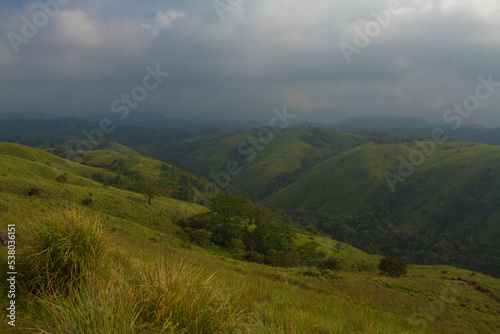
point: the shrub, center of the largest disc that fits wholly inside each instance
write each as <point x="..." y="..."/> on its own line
<point x="237" y="248"/>
<point x="391" y="267"/>
<point x="88" y="200"/>
<point x="61" y="248"/>
<point x="254" y="256"/>
<point x="35" y="191"/>
<point x="332" y="263"/>
<point x="62" y="178"/>
<point x="200" y="236"/>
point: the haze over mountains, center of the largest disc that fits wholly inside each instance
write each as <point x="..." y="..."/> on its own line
<point x="156" y="120"/>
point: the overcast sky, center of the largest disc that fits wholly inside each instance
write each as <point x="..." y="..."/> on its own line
<point x="242" y="58"/>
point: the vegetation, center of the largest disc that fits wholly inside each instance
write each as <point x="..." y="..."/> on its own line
<point x="120" y="265"/>
<point x="149" y="189"/>
<point x="60" y="250"/>
<point x="246" y="231"/>
<point x="441" y="213"/>
<point x="391" y="267"/>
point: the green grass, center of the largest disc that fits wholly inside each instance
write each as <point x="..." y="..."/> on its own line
<point x="211" y="153"/>
<point x="152" y="288"/>
<point x="62" y="248"/>
<point x="163" y="285"/>
<point x="342" y="184"/>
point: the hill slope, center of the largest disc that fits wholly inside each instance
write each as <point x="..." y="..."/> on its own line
<point x="268" y="160"/>
<point x="147" y="285"/>
<point x="450" y="203"/>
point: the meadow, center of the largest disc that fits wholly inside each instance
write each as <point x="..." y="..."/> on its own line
<point x="119" y="265"/>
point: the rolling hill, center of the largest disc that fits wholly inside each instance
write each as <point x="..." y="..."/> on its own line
<point x="149" y="279"/>
<point x="450" y="203"/>
<point x="268" y="161"/>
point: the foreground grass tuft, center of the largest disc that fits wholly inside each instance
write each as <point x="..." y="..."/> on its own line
<point x="62" y="248"/>
<point x="80" y="284"/>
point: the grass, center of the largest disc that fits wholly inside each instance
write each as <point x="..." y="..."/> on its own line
<point x="136" y="284"/>
<point x="342" y="184"/>
<point x="61" y="249"/>
<point x="146" y="287"/>
<point x="77" y="283"/>
<point x="211" y="153"/>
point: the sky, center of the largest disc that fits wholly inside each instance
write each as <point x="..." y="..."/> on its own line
<point x="326" y="60"/>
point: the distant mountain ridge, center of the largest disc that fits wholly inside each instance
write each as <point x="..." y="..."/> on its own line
<point x="381" y="123"/>
<point x="395" y="124"/>
<point x="28" y="115"/>
<point x="157" y="121"/>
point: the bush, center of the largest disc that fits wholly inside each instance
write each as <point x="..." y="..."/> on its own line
<point x="61" y="248"/>
<point x="237" y="248"/>
<point x="200" y="236"/>
<point x="63" y="178"/>
<point x="35" y="191"/>
<point x="254" y="256"/>
<point x="88" y="200"/>
<point x="332" y="263"/>
<point x="391" y="267"/>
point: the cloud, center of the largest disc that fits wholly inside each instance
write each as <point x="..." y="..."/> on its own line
<point x="162" y="20"/>
<point x="263" y="54"/>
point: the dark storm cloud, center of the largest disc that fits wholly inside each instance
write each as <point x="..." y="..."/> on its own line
<point x="262" y="55"/>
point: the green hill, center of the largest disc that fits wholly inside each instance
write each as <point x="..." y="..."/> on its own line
<point x="30" y="181"/>
<point x="143" y="277"/>
<point x="343" y="184"/>
<point x="450" y="203"/>
<point x="269" y="161"/>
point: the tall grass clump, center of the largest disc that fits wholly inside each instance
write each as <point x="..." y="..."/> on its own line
<point x="161" y="298"/>
<point x="96" y="305"/>
<point x="177" y="298"/>
<point x="60" y="248"/>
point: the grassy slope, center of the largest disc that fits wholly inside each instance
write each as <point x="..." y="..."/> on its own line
<point x="23" y="168"/>
<point x="296" y="300"/>
<point x="282" y="154"/>
<point x="451" y="200"/>
<point x="341" y="184"/>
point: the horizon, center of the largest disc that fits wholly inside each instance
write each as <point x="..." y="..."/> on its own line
<point x="89" y="117"/>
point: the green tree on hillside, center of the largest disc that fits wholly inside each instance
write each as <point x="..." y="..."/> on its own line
<point x="149" y="189"/>
<point x="391" y="267"/>
<point x="230" y="217"/>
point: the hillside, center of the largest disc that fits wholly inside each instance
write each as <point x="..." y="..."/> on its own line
<point x="150" y="280"/>
<point x="268" y="161"/>
<point x="30" y="181"/>
<point x="342" y="184"/>
<point x="449" y="203"/>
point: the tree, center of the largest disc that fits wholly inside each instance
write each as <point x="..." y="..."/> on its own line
<point x="309" y="254"/>
<point x="391" y="267"/>
<point x="149" y="189"/>
<point x="230" y="217"/>
<point x="200" y="236"/>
